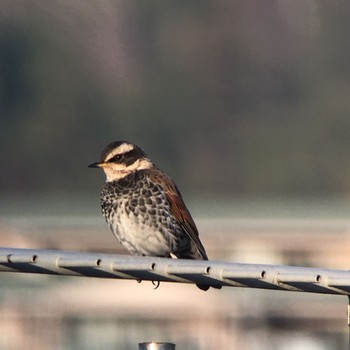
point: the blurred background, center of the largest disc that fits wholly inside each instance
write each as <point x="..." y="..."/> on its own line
<point x="244" y="103"/>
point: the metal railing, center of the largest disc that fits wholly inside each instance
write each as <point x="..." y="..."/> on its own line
<point x="212" y="273"/>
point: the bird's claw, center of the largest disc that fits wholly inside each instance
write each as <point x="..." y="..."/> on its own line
<point x="156" y="284"/>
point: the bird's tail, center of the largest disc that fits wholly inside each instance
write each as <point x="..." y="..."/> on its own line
<point x="204" y="287"/>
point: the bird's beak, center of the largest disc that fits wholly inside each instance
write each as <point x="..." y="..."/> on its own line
<point x="97" y="165"/>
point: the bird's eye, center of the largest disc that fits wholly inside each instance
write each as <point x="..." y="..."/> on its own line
<point x="116" y="158"/>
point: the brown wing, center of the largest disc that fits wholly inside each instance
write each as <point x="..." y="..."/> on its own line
<point x="179" y="209"/>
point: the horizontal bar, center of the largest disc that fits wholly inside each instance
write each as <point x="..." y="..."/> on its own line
<point x="11" y="258"/>
<point x="73" y="263"/>
<point x="125" y="266"/>
<point x="288" y="277"/>
<point x="182" y="270"/>
<point x="339" y="282"/>
<point x="234" y="274"/>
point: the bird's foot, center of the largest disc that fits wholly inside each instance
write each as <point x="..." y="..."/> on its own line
<point x="156" y="284"/>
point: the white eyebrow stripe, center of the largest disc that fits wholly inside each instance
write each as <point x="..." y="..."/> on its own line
<point x="123" y="148"/>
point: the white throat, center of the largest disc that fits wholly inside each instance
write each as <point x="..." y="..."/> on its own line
<point x="115" y="171"/>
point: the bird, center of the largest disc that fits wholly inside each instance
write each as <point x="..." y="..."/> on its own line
<point x="144" y="208"/>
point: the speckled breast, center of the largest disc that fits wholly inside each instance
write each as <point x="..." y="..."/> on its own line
<point x="138" y="213"/>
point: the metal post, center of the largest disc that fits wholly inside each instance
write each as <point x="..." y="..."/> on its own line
<point x="156" y="346"/>
<point x="348" y="322"/>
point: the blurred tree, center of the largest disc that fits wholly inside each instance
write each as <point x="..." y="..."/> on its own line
<point x="239" y="97"/>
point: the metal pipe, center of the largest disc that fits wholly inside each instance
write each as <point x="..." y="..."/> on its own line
<point x="218" y="273"/>
<point x="156" y="346"/>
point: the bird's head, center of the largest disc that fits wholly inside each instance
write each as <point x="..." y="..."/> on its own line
<point x="121" y="158"/>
